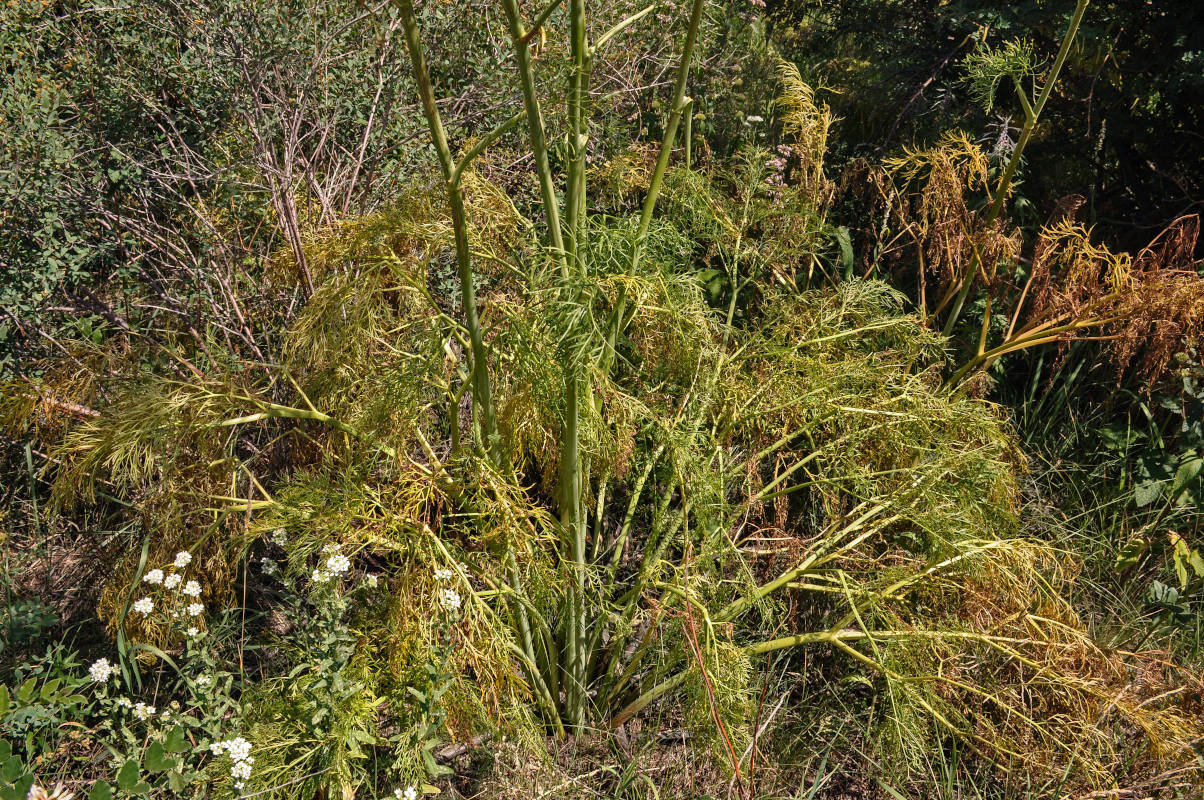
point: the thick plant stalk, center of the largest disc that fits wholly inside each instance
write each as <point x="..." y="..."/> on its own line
<point x="572" y="483"/>
<point x="535" y="129"/>
<point x="1032" y="113"/>
<point x="481" y="391"/>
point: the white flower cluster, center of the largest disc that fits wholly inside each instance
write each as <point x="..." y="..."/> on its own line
<point x="173" y="580"/>
<point x="450" y="599"/>
<point x="143" y="711"/>
<point x="279" y="537"/>
<point x="268" y="565"/>
<point x="336" y="565"/>
<point x="410" y="793"/>
<point x="101" y="670"/>
<point x="239" y="750"/>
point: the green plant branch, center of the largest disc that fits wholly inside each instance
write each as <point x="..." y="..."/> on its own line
<point x="481" y="389"/>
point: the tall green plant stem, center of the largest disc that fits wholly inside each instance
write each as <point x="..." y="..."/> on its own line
<point x="481" y="391"/>
<point x="678" y="107"/>
<point x="1032" y="113"/>
<point x="572" y="481"/>
<point x="521" y="38"/>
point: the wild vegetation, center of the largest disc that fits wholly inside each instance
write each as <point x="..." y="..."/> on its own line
<point x="513" y="401"/>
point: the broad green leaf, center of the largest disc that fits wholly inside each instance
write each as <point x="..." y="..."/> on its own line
<point x="1147" y="492"/>
<point x="12" y="769"/>
<point x="27" y="690"/>
<point x="176" y="743"/>
<point x="101" y="791"/>
<point x="1130" y="554"/>
<point x="127" y="776"/>
<point x="23" y="785"/>
<point x="49" y="688"/>
<point x="156" y="760"/>
<point x="1188" y="471"/>
<point x="5" y="701"/>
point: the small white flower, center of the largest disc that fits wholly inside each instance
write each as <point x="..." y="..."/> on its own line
<point x="195" y="609"/>
<point x="754" y="118"/>
<point x="372" y="580"/>
<point x="154" y="576"/>
<point x="338" y="564"/>
<point x="444" y="574"/>
<point x="166" y="715"/>
<point x="241" y="769"/>
<point x="267" y="565"/>
<point x="320" y="576"/>
<point x="397" y="793"/>
<point x="144" y="606"/>
<point x="124" y="702"/>
<point x="410" y="793"/>
<point x="183" y="559"/>
<point x="238" y="748"/>
<point x="173" y="580"/>
<point x="332" y="548"/>
<point x="143" y="711"/>
<point x="191" y="632"/>
<point x="450" y="599"/>
<point x="216" y="747"/>
<point x="279" y="537"/>
<point x="101" y="670"/>
<point x="192" y="589"/>
<point x="205" y="680"/>
<point x="238" y="785"/>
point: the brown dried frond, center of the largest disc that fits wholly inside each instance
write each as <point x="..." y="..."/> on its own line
<point x="1150" y="307"/>
<point x="947" y="235"/>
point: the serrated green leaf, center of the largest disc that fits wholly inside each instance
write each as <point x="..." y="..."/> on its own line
<point x="1147" y="492"/>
